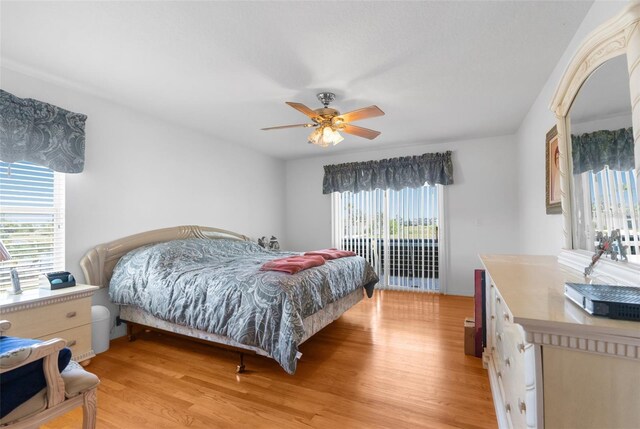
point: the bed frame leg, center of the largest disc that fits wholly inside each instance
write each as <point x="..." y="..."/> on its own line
<point x="240" y="368"/>
<point x="130" y="334"/>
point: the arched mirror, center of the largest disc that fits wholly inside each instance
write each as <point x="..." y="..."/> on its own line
<point x="596" y="105"/>
<point x="604" y="197"/>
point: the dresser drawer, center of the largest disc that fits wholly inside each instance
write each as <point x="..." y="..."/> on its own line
<point x="78" y="340"/>
<point x="513" y="364"/>
<point x="499" y="346"/>
<point x="513" y="359"/>
<point x="38" y="322"/>
<point x="501" y="315"/>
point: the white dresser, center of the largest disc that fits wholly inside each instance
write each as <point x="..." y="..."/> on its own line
<point x="550" y="363"/>
<point x="512" y="360"/>
<point x="44" y="314"/>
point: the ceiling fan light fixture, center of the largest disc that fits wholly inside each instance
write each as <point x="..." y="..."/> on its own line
<point x="315" y="136"/>
<point x="331" y="136"/>
<point x="325" y="136"/>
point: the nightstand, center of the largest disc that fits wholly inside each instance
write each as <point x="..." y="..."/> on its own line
<point x="44" y="314"/>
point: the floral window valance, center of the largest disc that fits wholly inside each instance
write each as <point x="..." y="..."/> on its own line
<point x="592" y="151"/>
<point x="37" y="132"/>
<point x="394" y="173"/>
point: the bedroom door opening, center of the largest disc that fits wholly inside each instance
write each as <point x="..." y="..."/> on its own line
<point x="398" y="232"/>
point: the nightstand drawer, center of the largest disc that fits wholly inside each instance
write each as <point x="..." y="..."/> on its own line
<point x="40" y="322"/>
<point x="78" y="340"/>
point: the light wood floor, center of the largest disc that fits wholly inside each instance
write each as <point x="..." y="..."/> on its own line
<point x="394" y="361"/>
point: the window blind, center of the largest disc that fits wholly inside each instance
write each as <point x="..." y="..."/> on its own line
<point x="605" y="201"/>
<point x="32" y="201"/>
<point x="396" y="231"/>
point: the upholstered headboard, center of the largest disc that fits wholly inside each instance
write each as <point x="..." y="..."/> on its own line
<point x="98" y="263"/>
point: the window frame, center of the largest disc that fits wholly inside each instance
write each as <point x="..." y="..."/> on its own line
<point x="36" y="186"/>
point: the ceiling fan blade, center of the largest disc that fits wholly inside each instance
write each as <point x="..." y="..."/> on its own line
<point x="364" y="113"/>
<point x="288" y="126"/>
<point x="302" y="108"/>
<point x="359" y="131"/>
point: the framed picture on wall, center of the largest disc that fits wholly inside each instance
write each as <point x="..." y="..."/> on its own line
<point x="553" y="172"/>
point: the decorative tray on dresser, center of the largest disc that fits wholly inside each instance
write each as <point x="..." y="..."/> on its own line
<point x="44" y="314"/>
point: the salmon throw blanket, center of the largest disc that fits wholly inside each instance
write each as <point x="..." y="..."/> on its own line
<point x="332" y="253"/>
<point x="293" y="264"/>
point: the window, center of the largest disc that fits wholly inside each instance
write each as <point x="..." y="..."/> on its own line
<point x="398" y="232"/>
<point x="604" y="202"/>
<point x="31" y="221"/>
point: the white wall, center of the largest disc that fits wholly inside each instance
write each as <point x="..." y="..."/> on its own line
<point x="143" y="173"/>
<point x="480" y="206"/>
<point x="541" y="233"/>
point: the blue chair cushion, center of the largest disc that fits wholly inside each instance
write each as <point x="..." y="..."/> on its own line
<point x="19" y="385"/>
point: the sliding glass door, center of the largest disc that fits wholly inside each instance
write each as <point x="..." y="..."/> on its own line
<point x="398" y="232"/>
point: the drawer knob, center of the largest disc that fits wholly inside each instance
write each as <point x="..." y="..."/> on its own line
<point x="499" y="374"/>
<point x="493" y="317"/>
<point x="521" y="347"/>
<point x="522" y="406"/>
<point x="71" y="314"/>
<point x="498" y="299"/>
<point x="71" y="343"/>
<point x="508" y="408"/>
<point x="506" y="317"/>
<point x="507" y="362"/>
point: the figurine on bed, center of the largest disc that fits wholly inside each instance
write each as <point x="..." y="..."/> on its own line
<point x="269" y="244"/>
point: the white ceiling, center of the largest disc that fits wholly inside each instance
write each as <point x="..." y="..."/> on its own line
<point x="440" y="70"/>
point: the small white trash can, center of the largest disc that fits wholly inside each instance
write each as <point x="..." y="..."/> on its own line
<point x="100" y="320"/>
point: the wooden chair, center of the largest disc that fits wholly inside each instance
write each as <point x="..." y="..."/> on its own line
<point x="65" y="390"/>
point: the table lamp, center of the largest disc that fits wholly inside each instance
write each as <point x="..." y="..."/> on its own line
<point x="15" y="280"/>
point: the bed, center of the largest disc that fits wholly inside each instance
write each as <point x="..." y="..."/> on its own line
<point x="206" y="283"/>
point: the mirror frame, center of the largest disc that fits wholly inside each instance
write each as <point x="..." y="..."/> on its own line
<point x="618" y="36"/>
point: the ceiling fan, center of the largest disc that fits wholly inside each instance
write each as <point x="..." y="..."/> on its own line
<point x="327" y="121"/>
